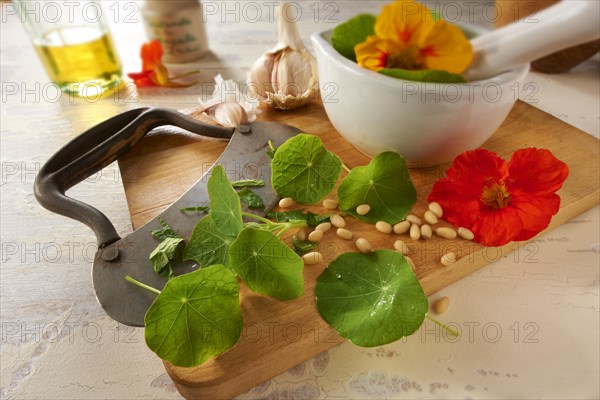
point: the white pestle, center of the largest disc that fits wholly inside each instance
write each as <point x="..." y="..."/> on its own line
<point x="566" y="24"/>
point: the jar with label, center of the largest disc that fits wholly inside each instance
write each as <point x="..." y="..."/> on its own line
<point x="179" y="26"/>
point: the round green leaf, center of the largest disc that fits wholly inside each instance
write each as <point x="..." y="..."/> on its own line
<point x="208" y="245"/>
<point x="266" y="265"/>
<point x="225" y="206"/>
<point x="384" y="184"/>
<point x="196" y="316"/>
<point x="371" y="299"/>
<point x="304" y="170"/>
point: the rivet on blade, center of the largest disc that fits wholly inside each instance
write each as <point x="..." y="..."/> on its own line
<point x="245" y="129"/>
<point x="110" y="254"/>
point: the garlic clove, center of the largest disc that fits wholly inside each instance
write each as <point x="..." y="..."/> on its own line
<point x="294" y="73"/>
<point x="260" y="75"/>
<point x="228" y="114"/>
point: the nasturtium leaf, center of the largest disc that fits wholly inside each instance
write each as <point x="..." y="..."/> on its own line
<point x="266" y="265"/>
<point x="311" y="218"/>
<point x="251" y="199"/>
<point x="165" y="231"/>
<point x="225" y="206"/>
<point x="196" y="316"/>
<point x="428" y="75"/>
<point x="371" y="299"/>
<point x="248" y="183"/>
<point x="352" y="32"/>
<point x="302" y="247"/>
<point x="304" y="170"/>
<point x="208" y="245"/>
<point x="384" y="184"/>
<point x="164" y="254"/>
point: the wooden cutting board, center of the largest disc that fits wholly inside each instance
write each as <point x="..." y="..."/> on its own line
<point x="279" y="335"/>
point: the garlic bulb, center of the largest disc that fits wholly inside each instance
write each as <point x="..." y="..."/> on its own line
<point x="286" y="76"/>
<point x="228" y="106"/>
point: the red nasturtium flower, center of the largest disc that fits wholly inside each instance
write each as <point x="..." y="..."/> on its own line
<point x="154" y="72"/>
<point x="501" y="202"/>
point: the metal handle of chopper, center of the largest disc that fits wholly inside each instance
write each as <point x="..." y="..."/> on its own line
<point x="97" y="148"/>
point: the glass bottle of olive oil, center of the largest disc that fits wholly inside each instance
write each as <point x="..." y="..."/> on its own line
<point x="80" y="59"/>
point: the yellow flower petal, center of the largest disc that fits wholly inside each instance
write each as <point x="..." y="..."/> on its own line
<point x="446" y="48"/>
<point x="404" y="21"/>
<point x="375" y="53"/>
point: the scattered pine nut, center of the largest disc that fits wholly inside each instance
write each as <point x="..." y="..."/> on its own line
<point x="465" y="233"/>
<point x="430" y="217"/>
<point x="411" y="263"/>
<point x="345" y="233"/>
<point x="286" y="202"/>
<point x="314" y="257"/>
<point x="401" y="247"/>
<point x="413" y="219"/>
<point x="446" y="232"/>
<point x="363" y="209"/>
<point x="435" y="208"/>
<point x="330" y="204"/>
<point x="301" y="235"/>
<point x="426" y="231"/>
<point x="363" y="245"/>
<point x="323" y="226"/>
<point x="448" y="259"/>
<point x="337" y="220"/>
<point x="383" y="227"/>
<point x="441" y="305"/>
<point x="402" y="227"/>
<point x="415" y="232"/>
<point x="315" y="236"/>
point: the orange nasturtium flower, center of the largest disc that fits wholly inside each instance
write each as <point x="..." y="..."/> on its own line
<point x="408" y="36"/>
<point x="154" y="72"/>
<point x="501" y="202"/>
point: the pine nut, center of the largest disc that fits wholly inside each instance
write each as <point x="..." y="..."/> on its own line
<point x="337" y="220"/>
<point x="286" y="202"/>
<point x="435" y="208"/>
<point x="415" y="232"/>
<point x="301" y="235"/>
<point x="430" y="217"/>
<point x="441" y="305"/>
<point x="383" y="227"/>
<point x="314" y="257"/>
<point x="315" y="236"/>
<point x="401" y="247"/>
<point x="446" y="232"/>
<point x="465" y="233"/>
<point x="330" y="204"/>
<point x="402" y="227"/>
<point x="413" y="219"/>
<point x="411" y="263"/>
<point x="426" y="231"/>
<point x="344" y="233"/>
<point x="363" y="209"/>
<point x="448" y="259"/>
<point x="324" y="226"/>
<point x="363" y="245"/>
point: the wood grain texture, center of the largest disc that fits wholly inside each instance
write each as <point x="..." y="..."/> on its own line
<point x="279" y="335"/>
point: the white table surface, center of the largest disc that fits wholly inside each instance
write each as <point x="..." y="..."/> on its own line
<point x="530" y="320"/>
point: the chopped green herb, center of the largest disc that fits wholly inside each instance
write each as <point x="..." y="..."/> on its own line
<point x="251" y="199"/>
<point x="196" y="316"/>
<point x="302" y="247"/>
<point x="272" y="149"/>
<point x="304" y="170"/>
<point x="199" y="209"/>
<point x="311" y="218"/>
<point x="165" y="232"/>
<point x="384" y="184"/>
<point x="248" y="183"/>
<point x="164" y="254"/>
<point x="371" y="299"/>
<point x="266" y="265"/>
